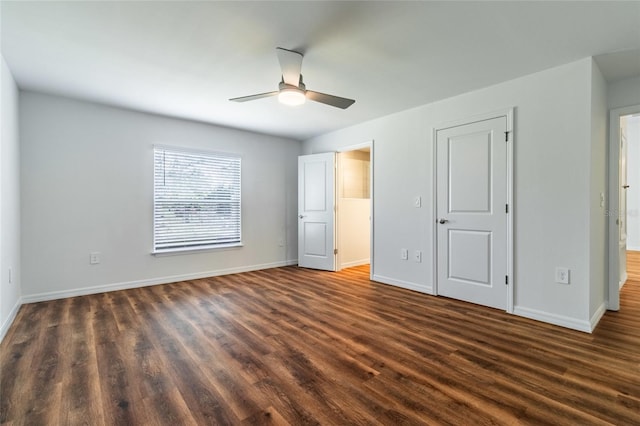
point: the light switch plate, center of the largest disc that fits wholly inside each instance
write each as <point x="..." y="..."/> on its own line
<point x="404" y="254"/>
<point x="562" y="275"/>
<point x="94" y="257"/>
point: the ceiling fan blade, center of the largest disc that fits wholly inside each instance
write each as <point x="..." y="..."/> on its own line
<point x="335" y="101"/>
<point x="291" y="64"/>
<point x="254" y="97"/>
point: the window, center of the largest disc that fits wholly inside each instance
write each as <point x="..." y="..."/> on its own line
<point x="196" y="200"/>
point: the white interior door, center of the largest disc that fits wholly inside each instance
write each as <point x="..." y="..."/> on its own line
<point x="472" y="212"/>
<point x="316" y="213"/>
<point x="622" y="207"/>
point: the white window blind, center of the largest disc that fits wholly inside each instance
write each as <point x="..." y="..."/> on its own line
<point x="196" y="200"/>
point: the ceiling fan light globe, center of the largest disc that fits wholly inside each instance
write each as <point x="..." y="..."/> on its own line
<point x="291" y="97"/>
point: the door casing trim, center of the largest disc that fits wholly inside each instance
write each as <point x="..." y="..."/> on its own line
<point x="613" y="293"/>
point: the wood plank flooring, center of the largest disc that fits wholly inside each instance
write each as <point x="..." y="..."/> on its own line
<point x="633" y="265"/>
<point x="295" y="346"/>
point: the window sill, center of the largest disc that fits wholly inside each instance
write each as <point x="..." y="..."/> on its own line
<point x="193" y="250"/>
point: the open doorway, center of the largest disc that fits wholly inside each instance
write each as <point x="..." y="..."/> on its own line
<point x="624" y="198"/>
<point x="354" y="206"/>
<point x="632" y="195"/>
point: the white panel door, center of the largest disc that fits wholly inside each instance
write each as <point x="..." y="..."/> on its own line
<point x="622" y="208"/>
<point x="316" y="200"/>
<point x="471" y="212"/>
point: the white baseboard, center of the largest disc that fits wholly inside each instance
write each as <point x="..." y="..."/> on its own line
<point x="404" y="284"/>
<point x="41" y="297"/>
<point x="623" y="278"/>
<point x="10" y="318"/>
<point x="597" y="316"/>
<point x="355" y="263"/>
<point x="561" y="320"/>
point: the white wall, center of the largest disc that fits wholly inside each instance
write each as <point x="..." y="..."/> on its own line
<point x="354" y="231"/>
<point x="9" y="201"/>
<point x="87" y="185"/>
<point x="598" y="247"/>
<point x="633" y="179"/>
<point x="624" y="93"/>
<point x="552" y="191"/>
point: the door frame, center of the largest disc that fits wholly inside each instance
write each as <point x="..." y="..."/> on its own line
<point x="508" y="113"/>
<point x="370" y="145"/>
<point x="613" y="302"/>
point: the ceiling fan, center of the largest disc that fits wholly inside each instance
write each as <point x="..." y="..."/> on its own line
<point x="292" y="91"/>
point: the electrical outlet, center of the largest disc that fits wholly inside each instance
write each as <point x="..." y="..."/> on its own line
<point x="562" y="275"/>
<point x="417" y="256"/>
<point x="94" y="257"/>
<point x="404" y="254"/>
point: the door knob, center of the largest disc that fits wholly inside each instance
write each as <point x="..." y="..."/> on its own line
<point x="625" y="186"/>
<point x="443" y="221"/>
<point x="301" y="216"/>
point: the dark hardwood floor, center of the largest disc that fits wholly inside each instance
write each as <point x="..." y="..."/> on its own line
<point x="295" y="346"/>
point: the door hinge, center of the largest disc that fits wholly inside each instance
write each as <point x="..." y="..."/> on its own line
<point x="335" y="251"/>
<point x="506" y="208"/>
<point x="506" y="280"/>
<point x="506" y="136"/>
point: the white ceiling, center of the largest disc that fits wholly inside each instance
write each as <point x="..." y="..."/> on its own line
<point x="186" y="59"/>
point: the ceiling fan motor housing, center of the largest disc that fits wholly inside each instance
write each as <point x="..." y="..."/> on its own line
<point x="300" y="87"/>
